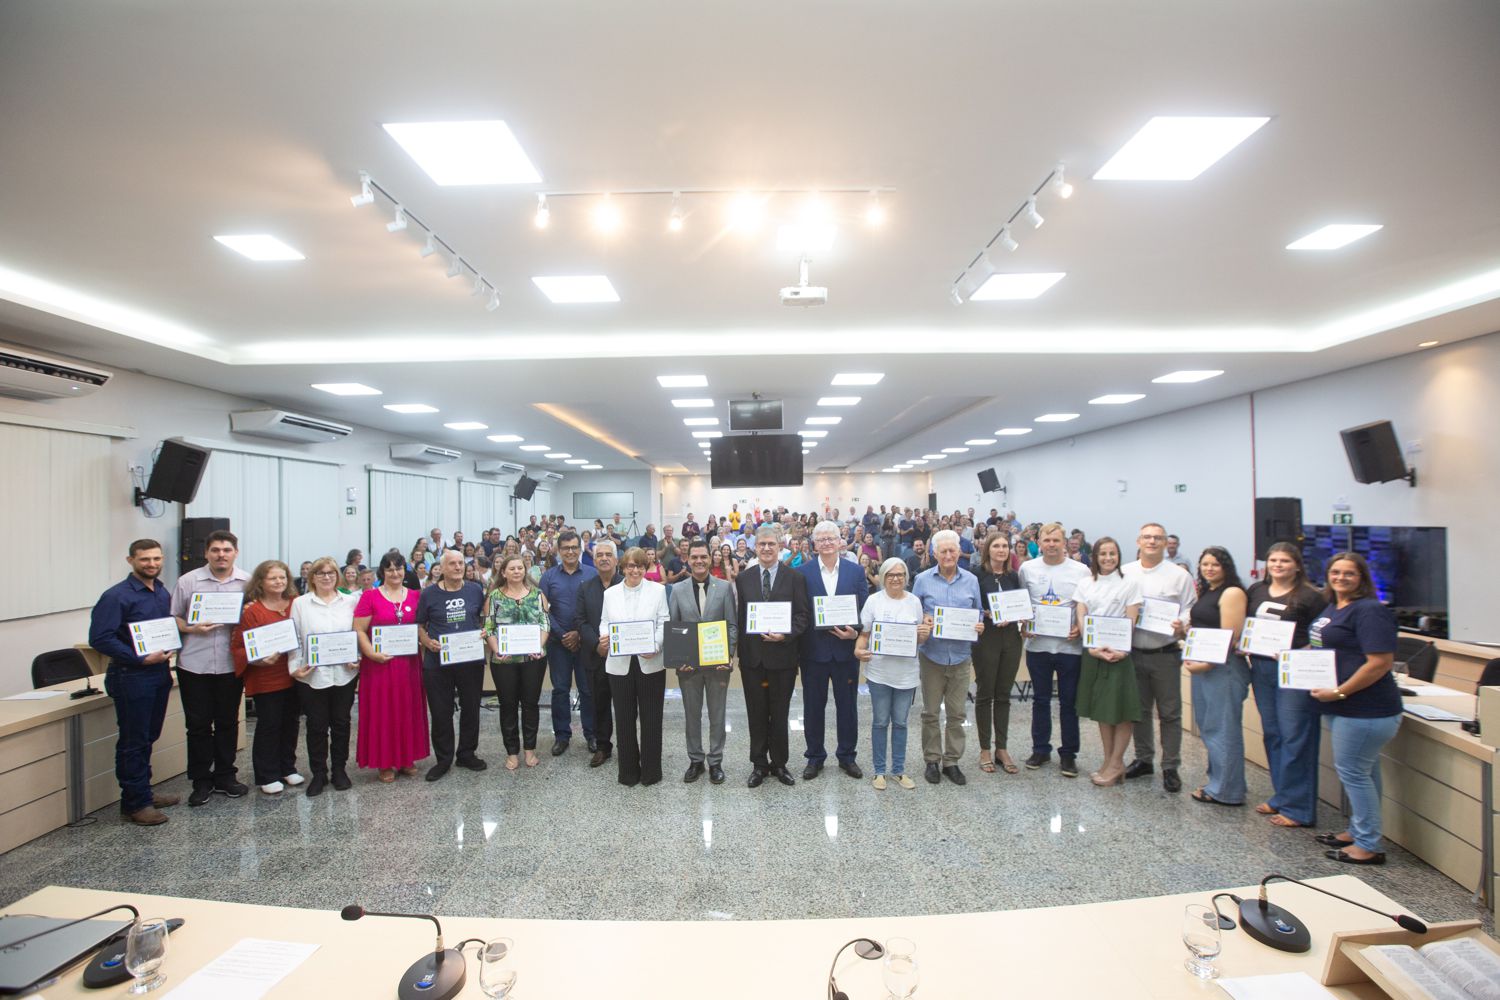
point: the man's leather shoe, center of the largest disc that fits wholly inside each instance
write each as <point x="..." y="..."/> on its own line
<point x="559" y="747"/>
<point x="593" y="746"/>
<point x="233" y="789"/>
<point x="1139" y="769"/>
<point x="756" y="777"/>
<point x="162" y="800"/>
<point x="341" y="779"/>
<point x="148" y="816"/>
<point x="694" y="772"/>
<point x="811" y="770"/>
<point x="600" y="756"/>
<point x="851" y="769"/>
<point x="437" y="770"/>
<point x="202" y="792"/>
<point x="953" y="774"/>
<point x="933" y="774"/>
<point x="716" y="774"/>
<point x="316" y="785"/>
<point x="1069" y="764"/>
<point x="1036" y="760"/>
<point x="472" y="763"/>
<point x="1170" y="781"/>
<point x="784" y="776"/>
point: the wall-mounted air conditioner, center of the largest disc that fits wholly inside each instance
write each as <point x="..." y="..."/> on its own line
<point x="493" y="467"/>
<point x="424" y="454"/>
<point x="24" y="375"/>
<point x="552" y="477"/>
<point x="286" y="426"/>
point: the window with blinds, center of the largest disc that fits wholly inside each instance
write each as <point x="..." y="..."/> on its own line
<point x="404" y="506"/>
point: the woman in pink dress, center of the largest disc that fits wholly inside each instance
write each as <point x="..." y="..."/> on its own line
<point x="393" y="732"/>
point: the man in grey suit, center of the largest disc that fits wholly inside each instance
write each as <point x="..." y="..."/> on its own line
<point x="704" y="598"/>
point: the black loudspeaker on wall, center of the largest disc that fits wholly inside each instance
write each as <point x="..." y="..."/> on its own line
<point x="988" y="481"/>
<point x="193" y="540"/>
<point x="932" y="501"/>
<point x="1277" y="519"/>
<point x="1375" y="455"/>
<point x="177" y="472"/>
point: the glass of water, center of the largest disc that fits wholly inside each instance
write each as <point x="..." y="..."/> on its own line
<point x="497" y="968"/>
<point x="1200" y="932"/>
<point x="900" y="972"/>
<point x="145" y="950"/>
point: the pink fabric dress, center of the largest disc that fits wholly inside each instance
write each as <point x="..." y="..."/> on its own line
<point x="392" y="705"/>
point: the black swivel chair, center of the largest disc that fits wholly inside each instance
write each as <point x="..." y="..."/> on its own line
<point x="1419" y="656"/>
<point x="1490" y="675"/>
<point x="56" y="666"/>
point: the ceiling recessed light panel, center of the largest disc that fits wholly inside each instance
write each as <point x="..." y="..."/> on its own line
<point x="838" y="401"/>
<point x="1005" y="287"/>
<point x="260" y="246"/>
<point x="467" y="425"/>
<point x="1116" y="398"/>
<point x="346" y="388"/>
<point x="955" y="451"/>
<point x="701" y="421"/>
<point x="813" y="434"/>
<point x="827" y="421"/>
<point x="536" y="447"/>
<point x="1183" y="377"/>
<point x="580" y="289"/>
<point x="410" y="408"/>
<point x="858" y="378"/>
<point x="1012" y="431"/>
<point x="1056" y="418"/>
<point x="980" y="442"/>
<point x="1177" y="149"/>
<point x="682" y="381"/>
<point x="692" y="404"/>
<point x="1334" y="236"/>
<point x="591" y="468"/>
<point x="916" y="461"/>
<point x="935" y="457"/>
<point x="809" y="444"/>
<point x="504" y="438"/>
<point x="708" y="434"/>
<point x="554" y="455"/>
<point x="577" y="461"/>
<point x="456" y="153"/>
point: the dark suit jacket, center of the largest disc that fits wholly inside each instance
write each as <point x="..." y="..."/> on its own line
<point x="586" y="619"/>
<point x="821" y="645"/>
<point x="789" y="585"/>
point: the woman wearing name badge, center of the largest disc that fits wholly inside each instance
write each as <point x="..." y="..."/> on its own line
<point x="997" y="656"/>
<point x="637" y="683"/>
<point x="515" y="600"/>
<point x="1291" y="721"/>
<point x="1365" y="707"/>
<point x="326" y="691"/>
<point x="392" y="704"/>
<point x="893" y="680"/>
<point x="1219" y="689"/>
<point x="1107" y="690"/>
<point x="273" y="753"/>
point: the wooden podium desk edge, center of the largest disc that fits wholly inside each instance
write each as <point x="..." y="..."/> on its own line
<point x="1346" y="965"/>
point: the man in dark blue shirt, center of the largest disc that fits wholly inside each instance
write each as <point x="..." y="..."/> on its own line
<point x="559" y="585"/>
<point x="139" y="684"/>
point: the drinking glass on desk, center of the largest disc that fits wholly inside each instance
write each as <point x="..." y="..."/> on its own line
<point x="497" y="968"/>
<point x="1200" y="932"/>
<point x="145" y="950"/>
<point x="900" y="972"/>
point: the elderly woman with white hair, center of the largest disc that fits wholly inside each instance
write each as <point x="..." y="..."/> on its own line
<point x="893" y="680"/>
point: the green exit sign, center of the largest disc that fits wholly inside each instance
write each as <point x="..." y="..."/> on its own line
<point x="1180" y="487"/>
<point x="1343" y="518"/>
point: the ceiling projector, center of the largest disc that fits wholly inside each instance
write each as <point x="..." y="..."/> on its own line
<point x="804" y="295"/>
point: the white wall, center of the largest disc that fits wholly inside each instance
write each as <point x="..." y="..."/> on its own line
<point x="682" y="494"/>
<point x="644" y="483"/>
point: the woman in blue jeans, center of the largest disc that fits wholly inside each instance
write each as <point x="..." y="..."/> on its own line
<point x="1365" y="707"/>
<point x="1219" y="689"/>
<point x="893" y="680"/>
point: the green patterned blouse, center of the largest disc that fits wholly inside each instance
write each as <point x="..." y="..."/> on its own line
<point x="505" y="610"/>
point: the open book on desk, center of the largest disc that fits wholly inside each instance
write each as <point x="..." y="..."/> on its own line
<point x="1454" y="969"/>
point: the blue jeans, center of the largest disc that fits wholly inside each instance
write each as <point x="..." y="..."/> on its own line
<point x="1356" y="756"/>
<point x="140" y="696"/>
<point x="889" y="708"/>
<point x="564" y="665"/>
<point x="1218" y="709"/>
<point x="816" y="677"/>
<point x="1293" y="729"/>
<point x="1043" y="666"/>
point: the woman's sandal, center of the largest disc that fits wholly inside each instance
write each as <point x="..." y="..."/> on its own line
<point x="1265" y="809"/>
<point x="1202" y="795"/>
<point x="986" y="764"/>
<point x="512" y="762"/>
<point x="1009" y="765"/>
<point x="1281" y="821"/>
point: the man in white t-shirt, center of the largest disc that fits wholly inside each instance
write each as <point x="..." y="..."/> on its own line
<point x="1052" y="577"/>
<point x="1158" y="658"/>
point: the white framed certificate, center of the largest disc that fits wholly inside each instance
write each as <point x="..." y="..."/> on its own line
<point x="269" y="640"/>
<point x="893" y="638"/>
<point x="1306" y="669"/>
<point x="1052" y="620"/>
<point x="461" y="647"/>
<point x="1101" y="632"/>
<point x="326" y="649"/>
<point x="762" y="617"/>
<point x="394" y="640"/>
<point x="155" y="635"/>
<point x="215" y="608"/>
<point x="834" y="611"/>
<point x="955" y="623"/>
<point x="1011" y="606"/>
<point x="1157" y="616"/>
<point x="632" y="638"/>
<point x="1207" y="645"/>
<point x="1266" y="636"/>
<point x="519" y="639"/>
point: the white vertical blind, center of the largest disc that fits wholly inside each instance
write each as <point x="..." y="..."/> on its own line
<point x="482" y="506"/>
<point x="310" y="502"/>
<point x="403" y="507"/>
<point x="246" y="489"/>
<point x="57" y="496"/>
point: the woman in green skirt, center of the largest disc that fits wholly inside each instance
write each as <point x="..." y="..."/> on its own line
<point x="1106" y="682"/>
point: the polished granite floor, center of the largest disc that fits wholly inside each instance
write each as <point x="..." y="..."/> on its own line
<point x="564" y="841"/>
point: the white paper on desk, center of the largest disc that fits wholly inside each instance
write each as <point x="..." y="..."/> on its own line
<point x="762" y="617"/>
<point x="215" y="608"/>
<point x="34" y="695"/>
<point x="955" y="623"/>
<point x="1431" y="690"/>
<point x="1281" y="986"/>
<point x="246" y="971"/>
<point x="1433" y="714"/>
<point x="1207" y="645"/>
<point x="1157" y="616"/>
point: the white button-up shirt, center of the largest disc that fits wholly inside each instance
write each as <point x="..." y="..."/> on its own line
<point x="314" y="616"/>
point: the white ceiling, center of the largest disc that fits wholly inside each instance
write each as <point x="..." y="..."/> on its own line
<point x="135" y="132"/>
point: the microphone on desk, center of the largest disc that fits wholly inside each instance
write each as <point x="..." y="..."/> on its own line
<point x="864" y="948"/>
<point x="1279" y="928"/>
<point x="88" y="690"/>
<point x="439" y="975"/>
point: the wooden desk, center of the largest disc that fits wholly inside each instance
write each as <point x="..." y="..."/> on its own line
<point x="1127" y="950"/>
<point x="1459" y="663"/>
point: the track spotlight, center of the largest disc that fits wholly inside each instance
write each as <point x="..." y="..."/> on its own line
<point x="365" y="196"/>
<point x="398" y="223"/>
<point x="674" y="221"/>
<point x="875" y="211"/>
<point x="543" y="213"/>
<point x="494" y="302"/>
<point x="429" y="248"/>
<point x="606" y="215"/>
<point x="455" y="266"/>
<point x="1060" y="184"/>
<point x="956" y="296"/>
<point x="1033" y="215"/>
<point x="1007" y="240"/>
<point x="479" y="284"/>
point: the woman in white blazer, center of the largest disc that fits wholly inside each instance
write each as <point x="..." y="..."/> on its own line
<point x="637" y="682"/>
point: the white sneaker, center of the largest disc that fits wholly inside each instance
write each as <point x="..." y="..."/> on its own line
<point x="274" y="788"/>
<point x="294" y="779"/>
<point x="879" y="782"/>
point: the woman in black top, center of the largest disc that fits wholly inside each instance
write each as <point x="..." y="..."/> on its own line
<point x="997" y="655"/>
<point x="1291" y="725"/>
<point x="1219" y="689"/>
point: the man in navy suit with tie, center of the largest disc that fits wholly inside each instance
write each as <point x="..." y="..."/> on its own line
<point x="768" y="661"/>
<point x="828" y="654"/>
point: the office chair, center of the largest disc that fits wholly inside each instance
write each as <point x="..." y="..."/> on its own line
<point x="1490" y="675"/>
<point x="56" y="666"/>
<point x="1419" y="657"/>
